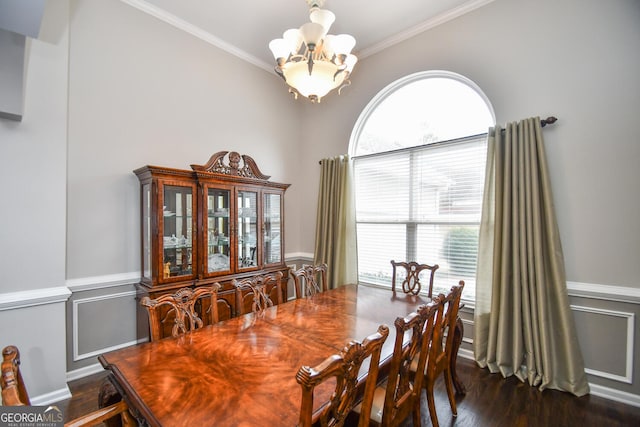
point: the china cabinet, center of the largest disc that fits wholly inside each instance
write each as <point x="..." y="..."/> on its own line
<point x="217" y="222"/>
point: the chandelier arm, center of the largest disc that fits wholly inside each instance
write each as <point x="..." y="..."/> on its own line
<point x="279" y="72"/>
<point x="345" y="83"/>
<point x="310" y="62"/>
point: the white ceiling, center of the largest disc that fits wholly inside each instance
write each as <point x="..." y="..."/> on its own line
<point x="245" y="27"/>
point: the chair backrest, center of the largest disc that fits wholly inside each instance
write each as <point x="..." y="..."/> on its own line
<point x="306" y="280"/>
<point x="181" y="307"/>
<point x="404" y="387"/>
<point x="411" y="283"/>
<point x="441" y="347"/>
<point x="452" y="302"/>
<point x="254" y="294"/>
<point x="14" y="393"/>
<point x="344" y="368"/>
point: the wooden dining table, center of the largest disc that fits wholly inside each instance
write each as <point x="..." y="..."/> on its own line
<point x="241" y="371"/>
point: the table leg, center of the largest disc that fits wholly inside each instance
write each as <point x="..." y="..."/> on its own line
<point x="458" y="333"/>
<point x="108" y="396"/>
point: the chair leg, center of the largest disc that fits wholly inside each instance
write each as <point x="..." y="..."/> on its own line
<point x="431" y="403"/>
<point x="458" y="333"/>
<point x="449" y="384"/>
<point x="416" y="413"/>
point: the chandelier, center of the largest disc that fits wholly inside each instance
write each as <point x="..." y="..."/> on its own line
<point x="311" y="61"/>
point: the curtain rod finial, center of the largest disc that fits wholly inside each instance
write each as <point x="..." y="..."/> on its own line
<point x="549" y="120"/>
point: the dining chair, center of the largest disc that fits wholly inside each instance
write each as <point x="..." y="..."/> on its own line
<point x="343" y="369"/>
<point x="306" y="280"/>
<point x="254" y="294"/>
<point x="180" y="308"/>
<point x="411" y="283"/>
<point x="14" y="393"/>
<point x="441" y="350"/>
<point x="399" y="395"/>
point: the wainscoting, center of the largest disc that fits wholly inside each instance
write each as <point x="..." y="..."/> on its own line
<point x="101" y="316"/>
<point x="607" y="318"/>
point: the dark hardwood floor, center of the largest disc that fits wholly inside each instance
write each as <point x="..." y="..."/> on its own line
<point x="491" y="401"/>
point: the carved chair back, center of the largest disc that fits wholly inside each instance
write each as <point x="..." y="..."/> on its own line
<point x="400" y="397"/>
<point x="411" y="283"/>
<point x="255" y="294"/>
<point x="14" y="393"/>
<point x="181" y="309"/>
<point x="441" y="349"/>
<point x="343" y="368"/>
<point x="306" y="280"/>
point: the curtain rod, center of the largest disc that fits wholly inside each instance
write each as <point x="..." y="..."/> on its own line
<point x="543" y="122"/>
<point x="548" y="121"/>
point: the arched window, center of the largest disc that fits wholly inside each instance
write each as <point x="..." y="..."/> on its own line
<point x="419" y="150"/>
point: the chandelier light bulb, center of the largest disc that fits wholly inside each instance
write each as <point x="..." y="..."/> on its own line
<point x="311" y="61"/>
<point x="322" y="17"/>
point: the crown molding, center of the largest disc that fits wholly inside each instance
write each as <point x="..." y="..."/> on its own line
<point x="203" y="35"/>
<point x="424" y="26"/>
<point x="198" y="32"/>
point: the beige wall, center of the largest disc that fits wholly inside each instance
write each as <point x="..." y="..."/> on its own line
<point x="535" y="58"/>
<point x="142" y="92"/>
<point x="33" y="168"/>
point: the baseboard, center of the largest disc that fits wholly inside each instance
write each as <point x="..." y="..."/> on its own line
<point x="77" y="374"/>
<point x="615" y="395"/>
<point x="466" y="354"/>
<point x="596" y="390"/>
<point x="52" y="397"/>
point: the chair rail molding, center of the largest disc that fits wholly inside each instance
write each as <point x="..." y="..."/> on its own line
<point x="604" y="292"/>
<point x="299" y="255"/>
<point x="103" y="282"/>
<point x="30" y="298"/>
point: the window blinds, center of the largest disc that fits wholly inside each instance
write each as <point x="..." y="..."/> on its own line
<point x="421" y="204"/>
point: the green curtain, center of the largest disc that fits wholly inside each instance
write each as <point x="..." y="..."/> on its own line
<point x="523" y="322"/>
<point x="336" y="222"/>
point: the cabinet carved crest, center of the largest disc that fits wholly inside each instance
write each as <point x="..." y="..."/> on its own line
<point x="233" y="167"/>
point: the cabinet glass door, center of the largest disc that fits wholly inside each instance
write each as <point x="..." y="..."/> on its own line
<point x="272" y="228"/>
<point x="217" y="231"/>
<point x="247" y="229"/>
<point x="146" y="231"/>
<point x="177" y="230"/>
